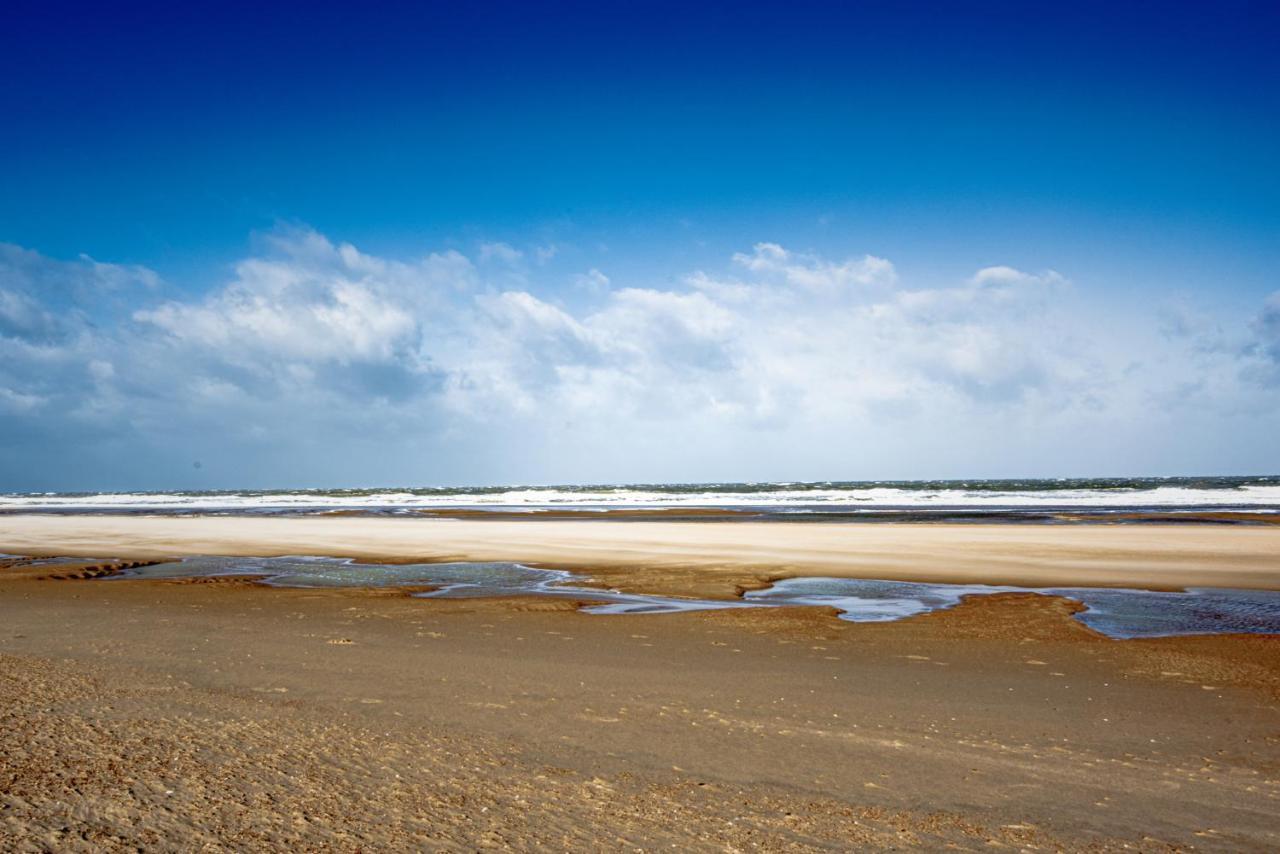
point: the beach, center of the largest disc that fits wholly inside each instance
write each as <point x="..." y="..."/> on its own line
<point x="700" y="558"/>
<point x="621" y="427"/>
<point x="218" y="713"/>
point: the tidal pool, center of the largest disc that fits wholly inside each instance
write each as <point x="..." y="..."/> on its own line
<point x="1117" y="613"/>
<point x="462" y="580"/>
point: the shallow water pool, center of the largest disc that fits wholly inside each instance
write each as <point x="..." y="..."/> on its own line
<point x="1117" y="613"/>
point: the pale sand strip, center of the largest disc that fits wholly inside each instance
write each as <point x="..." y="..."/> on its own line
<point x="714" y="553"/>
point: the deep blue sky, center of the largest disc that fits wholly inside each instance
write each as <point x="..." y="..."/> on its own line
<point x="152" y="133"/>
<point x="1134" y="147"/>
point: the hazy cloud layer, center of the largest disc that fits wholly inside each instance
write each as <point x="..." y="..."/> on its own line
<point x="317" y="363"/>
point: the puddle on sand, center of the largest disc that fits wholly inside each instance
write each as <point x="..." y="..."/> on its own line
<point x="1118" y="613"/>
<point x="1115" y="612"/>
<point x="464" y="580"/>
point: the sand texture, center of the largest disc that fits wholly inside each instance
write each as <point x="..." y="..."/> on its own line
<point x="217" y="714"/>
<point x="224" y="716"/>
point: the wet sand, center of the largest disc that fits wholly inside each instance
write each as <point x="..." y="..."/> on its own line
<point x="703" y="558"/>
<point x="219" y="714"/>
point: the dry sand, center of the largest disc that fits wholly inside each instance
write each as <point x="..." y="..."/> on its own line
<point x="223" y="715"/>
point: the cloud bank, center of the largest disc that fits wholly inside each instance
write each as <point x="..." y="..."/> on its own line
<point x="316" y="363"/>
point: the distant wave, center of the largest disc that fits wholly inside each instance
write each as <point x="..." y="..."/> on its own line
<point x="849" y="496"/>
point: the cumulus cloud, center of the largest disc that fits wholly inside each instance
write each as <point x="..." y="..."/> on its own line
<point x="51" y="316"/>
<point x="313" y="317"/>
<point x="440" y="370"/>
<point x="42" y="300"/>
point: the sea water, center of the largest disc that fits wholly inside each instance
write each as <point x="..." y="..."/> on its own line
<point x="1017" y="500"/>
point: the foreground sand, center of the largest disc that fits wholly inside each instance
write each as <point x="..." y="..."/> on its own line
<point x="220" y="715"/>
<point x="703" y="558"/>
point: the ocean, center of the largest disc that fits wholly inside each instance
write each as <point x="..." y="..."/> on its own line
<point x="1242" y="500"/>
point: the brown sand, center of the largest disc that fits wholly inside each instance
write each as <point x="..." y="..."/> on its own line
<point x="703" y="558"/>
<point x="224" y="715"/>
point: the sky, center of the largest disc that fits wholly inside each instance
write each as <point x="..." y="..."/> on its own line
<point x="277" y="245"/>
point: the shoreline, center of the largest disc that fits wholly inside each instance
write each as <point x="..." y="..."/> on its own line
<point x="704" y="559"/>
<point x="821" y="515"/>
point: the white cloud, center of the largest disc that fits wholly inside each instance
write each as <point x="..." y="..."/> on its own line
<point x="339" y="320"/>
<point x="314" y="348"/>
<point x="44" y="300"/>
<point x="1002" y="276"/>
<point x="313" y="302"/>
<point x="814" y="273"/>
